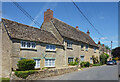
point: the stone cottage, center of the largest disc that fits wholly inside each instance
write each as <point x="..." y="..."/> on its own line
<point x="54" y="45"/>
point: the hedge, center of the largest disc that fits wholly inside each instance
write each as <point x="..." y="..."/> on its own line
<point x="84" y="64"/>
<point x="26" y="64"/>
<point x="24" y="74"/>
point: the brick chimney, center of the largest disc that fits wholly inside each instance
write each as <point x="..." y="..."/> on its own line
<point x="88" y="32"/>
<point x="77" y="27"/>
<point x="48" y="15"/>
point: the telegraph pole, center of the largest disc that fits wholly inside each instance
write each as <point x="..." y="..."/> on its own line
<point x="111" y="45"/>
<point x="111" y="49"/>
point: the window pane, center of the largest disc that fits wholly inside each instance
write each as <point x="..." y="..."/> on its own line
<point x="23" y="44"/>
<point x="47" y="46"/>
<point x="33" y="45"/>
<point x="51" y="47"/>
<point x="28" y="44"/>
<point x="54" y="47"/>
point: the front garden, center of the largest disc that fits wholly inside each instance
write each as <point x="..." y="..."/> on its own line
<point x="26" y="67"/>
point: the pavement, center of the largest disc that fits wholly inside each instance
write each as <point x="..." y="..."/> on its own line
<point x="106" y="72"/>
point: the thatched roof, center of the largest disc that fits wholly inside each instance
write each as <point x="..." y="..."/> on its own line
<point x="20" y="31"/>
<point x="68" y="31"/>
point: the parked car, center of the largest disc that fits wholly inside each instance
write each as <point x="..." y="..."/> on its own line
<point x="110" y="63"/>
<point x="115" y="62"/>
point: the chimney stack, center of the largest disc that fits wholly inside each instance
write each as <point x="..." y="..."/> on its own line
<point x="88" y="32"/>
<point x="48" y="15"/>
<point x="98" y="42"/>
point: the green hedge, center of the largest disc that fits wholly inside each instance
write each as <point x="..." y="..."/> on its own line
<point x="24" y="74"/>
<point x="84" y="64"/>
<point x="73" y="63"/>
<point x="26" y="64"/>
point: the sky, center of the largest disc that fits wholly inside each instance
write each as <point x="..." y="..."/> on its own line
<point x="103" y="15"/>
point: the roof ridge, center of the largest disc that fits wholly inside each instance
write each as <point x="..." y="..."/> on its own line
<point x="25" y="25"/>
<point x="20" y="23"/>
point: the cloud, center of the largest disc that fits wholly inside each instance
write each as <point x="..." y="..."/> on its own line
<point x="110" y="41"/>
<point x="39" y="14"/>
<point x="103" y="38"/>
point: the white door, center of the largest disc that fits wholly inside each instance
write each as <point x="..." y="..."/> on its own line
<point x="37" y="65"/>
<point x="91" y="60"/>
<point x="82" y="58"/>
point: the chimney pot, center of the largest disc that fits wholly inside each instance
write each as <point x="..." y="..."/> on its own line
<point x="48" y="15"/>
<point x="98" y="42"/>
<point x="77" y="27"/>
<point x="88" y="32"/>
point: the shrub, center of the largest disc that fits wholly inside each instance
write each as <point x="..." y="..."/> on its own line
<point x="24" y="74"/>
<point x="102" y="59"/>
<point x="95" y="59"/>
<point x="87" y="64"/>
<point x="26" y="64"/>
<point x="73" y="63"/>
<point x="84" y="64"/>
<point x="115" y="58"/>
<point x="44" y="68"/>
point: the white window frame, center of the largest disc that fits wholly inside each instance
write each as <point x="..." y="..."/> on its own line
<point x="83" y="57"/>
<point x="36" y="63"/>
<point x="82" y="48"/>
<point x="50" y="47"/>
<point x="69" y="44"/>
<point x="94" y="49"/>
<point x="26" y="44"/>
<point x="86" y="47"/>
<point x="91" y="60"/>
<point x="50" y="63"/>
<point x="72" y="58"/>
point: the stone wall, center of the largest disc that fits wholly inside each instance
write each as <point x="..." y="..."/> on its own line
<point x="76" y="51"/>
<point x="18" y="52"/>
<point x="47" y="73"/>
<point x="6" y="53"/>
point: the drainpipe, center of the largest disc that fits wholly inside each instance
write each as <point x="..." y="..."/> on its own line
<point x="65" y="53"/>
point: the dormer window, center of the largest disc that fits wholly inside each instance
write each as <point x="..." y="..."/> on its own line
<point x="69" y="44"/>
<point x="27" y="44"/>
<point x="82" y="46"/>
<point x="50" y="47"/>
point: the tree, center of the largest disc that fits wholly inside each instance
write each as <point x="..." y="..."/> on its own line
<point x="95" y="59"/>
<point x="116" y="52"/>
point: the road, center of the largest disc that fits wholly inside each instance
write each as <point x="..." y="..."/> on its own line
<point x="94" y="73"/>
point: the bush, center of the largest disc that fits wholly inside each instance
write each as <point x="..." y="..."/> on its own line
<point x="84" y="64"/>
<point x="95" y="59"/>
<point x="103" y="58"/>
<point x="44" y="68"/>
<point x="26" y="64"/>
<point x="73" y="63"/>
<point x="87" y="64"/>
<point x="115" y="58"/>
<point x="24" y="74"/>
